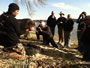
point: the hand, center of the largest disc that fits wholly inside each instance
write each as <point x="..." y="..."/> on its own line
<point x="61" y="22"/>
<point x="40" y="29"/>
<point x="80" y="15"/>
<point x="27" y="30"/>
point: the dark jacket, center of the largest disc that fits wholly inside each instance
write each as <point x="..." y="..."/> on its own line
<point x="51" y="22"/>
<point x="68" y="26"/>
<point x="45" y="31"/>
<point x="61" y="19"/>
<point x="9" y="36"/>
<point x="86" y="36"/>
<point x="80" y="23"/>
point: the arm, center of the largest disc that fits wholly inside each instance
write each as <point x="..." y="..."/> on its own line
<point x="78" y="20"/>
<point x="48" y="31"/>
<point x="49" y="21"/>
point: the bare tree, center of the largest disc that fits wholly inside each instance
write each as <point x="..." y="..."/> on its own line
<point x="29" y="3"/>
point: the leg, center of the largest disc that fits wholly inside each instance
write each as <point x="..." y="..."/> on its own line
<point x="60" y="33"/>
<point x="79" y="35"/>
<point x="86" y="53"/>
<point x="53" y="30"/>
<point x="62" y="39"/>
<point x="38" y="35"/>
<point x="17" y="51"/>
<point x="45" y="40"/>
<point x="66" y="38"/>
<point x="53" y="43"/>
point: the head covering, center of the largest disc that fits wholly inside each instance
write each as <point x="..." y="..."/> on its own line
<point x="13" y="7"/>
<point x="43" y="23"/>
<point x="61" y="13"/>
<point x="52" y="12"/>
<point x="84" y="13"/>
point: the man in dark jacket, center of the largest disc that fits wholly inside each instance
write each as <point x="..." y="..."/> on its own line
<point x="85" y="43"/>
<point x="60" y="22"/>
<point x="10" y="30"/>
<point x="51" y="22"/>
<point x="81" y="25"/>
<point x="45" y="31"/>
<point x="68" y="27"/>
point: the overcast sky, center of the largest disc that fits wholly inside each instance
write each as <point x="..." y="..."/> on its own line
<point x="73" y="7"/>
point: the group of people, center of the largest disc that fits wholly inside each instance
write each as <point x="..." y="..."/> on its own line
<point x="10" y="31"/>
<point x="65" y="27"/>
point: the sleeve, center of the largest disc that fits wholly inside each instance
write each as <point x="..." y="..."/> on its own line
<point x="57" y="21"/>
<point x="72" y="22"/>
<point x="78" y="20"/>
<point x="48" y="21"/>
<point x="48" y="31"/>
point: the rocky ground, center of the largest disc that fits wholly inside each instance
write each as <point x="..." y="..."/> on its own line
<point x="44" y="56"/>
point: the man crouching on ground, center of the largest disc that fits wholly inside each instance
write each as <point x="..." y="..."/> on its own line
<point x="45" y="31"/>
<point x="10" y="32"/>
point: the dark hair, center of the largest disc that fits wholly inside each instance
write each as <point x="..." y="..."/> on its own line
<point x="84" y="13"/>
<point x="13" y="7"/>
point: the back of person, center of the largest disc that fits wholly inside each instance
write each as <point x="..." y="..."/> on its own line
<point x="10" y="30"/>
<point x="9" y="35"/>
<point x="51" y="22"/>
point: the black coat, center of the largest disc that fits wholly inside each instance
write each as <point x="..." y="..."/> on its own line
<point x="51" y="22"/>
<point x="80" y="23"/>
<point x="86" y="36"/>
<point x="9" y="36"/>
<point x="61" y="19"/>
<point x="46" y="32"/>
<point x="68" y="26"/>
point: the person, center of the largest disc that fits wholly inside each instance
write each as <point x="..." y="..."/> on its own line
<point x="60" y="21"/>
<point x="68" y="27"/>
<point x="38" y="33"/>
<point x="45" y="31"/>
<point x="80" y="31"/>
<point x="85" y="43"/>
<point x="10" y="31"/>
<point x="51" y="22"/>
<point x="81" y="25"/>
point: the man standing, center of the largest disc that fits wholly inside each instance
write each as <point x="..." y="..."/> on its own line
<point x="68" y="27"/>
<point x="81" y="25"/>
<point x="85" y="43"/>
<point x="10" y="31"/>
<point x="51" y="22"/>
<point x="60" y="22"/>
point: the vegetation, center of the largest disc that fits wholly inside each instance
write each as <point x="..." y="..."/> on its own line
<point x="43" y="56"/>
